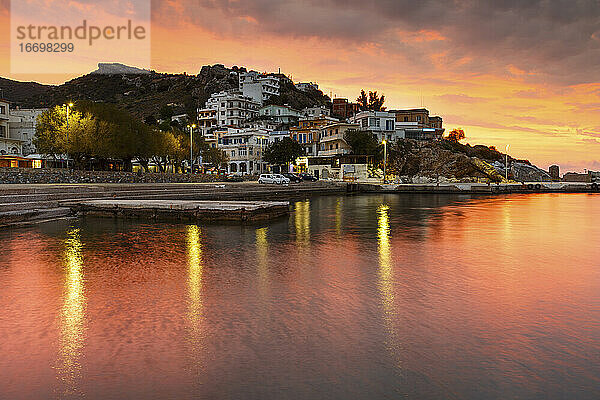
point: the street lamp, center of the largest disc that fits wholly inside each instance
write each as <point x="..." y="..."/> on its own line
<point x="68" y="106"/>
<point x="506" y="165"/>
<point x="192" y="126"/>
<point x="384" y="142"/>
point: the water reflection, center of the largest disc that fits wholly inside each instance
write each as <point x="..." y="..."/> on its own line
<point x="338" y="218"/>
<point x="72" y="316"/>
<point x="262" y="251"/>
<point x="302" y="221"/>
<point x="385" y="274"/>
<point x="194" y="281"/>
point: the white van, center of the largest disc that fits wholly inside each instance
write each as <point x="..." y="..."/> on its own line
<point x="273" y="178"/>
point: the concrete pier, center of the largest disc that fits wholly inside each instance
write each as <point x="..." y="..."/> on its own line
<point x="241" y="211"/>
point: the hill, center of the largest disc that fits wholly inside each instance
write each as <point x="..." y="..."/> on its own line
<point x="144" y="93"/>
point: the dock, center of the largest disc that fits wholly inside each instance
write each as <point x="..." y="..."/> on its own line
<point x="183" y="210"/>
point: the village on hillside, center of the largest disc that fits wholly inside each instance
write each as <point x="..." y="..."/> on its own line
<point x="247" y="123"/>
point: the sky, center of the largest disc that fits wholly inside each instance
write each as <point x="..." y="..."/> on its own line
<point x="508" y="72"/>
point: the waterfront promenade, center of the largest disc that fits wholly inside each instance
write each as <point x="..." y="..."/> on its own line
<point x="39" y="202"/>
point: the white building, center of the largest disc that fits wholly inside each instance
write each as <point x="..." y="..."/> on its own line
<point x="277" y="136"/>
<point x="259" y="87"/>
<point x="244" y="147"/>
<point x="280" y="114"/>
<point x="232" y="108"/>
<point x="332" y="142"/>
<point x="381" y="123"/>
<point x="304" y="86"/>
<point x="9" y="144"/>
<point x="22" y="126"/>
<point x="315" y="112"/>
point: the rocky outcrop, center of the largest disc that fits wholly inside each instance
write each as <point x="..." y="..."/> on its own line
<point x="442" y="161"/>
<point x="118" y="69"/>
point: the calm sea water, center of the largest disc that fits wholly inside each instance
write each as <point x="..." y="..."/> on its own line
<point x="370" y="297"/>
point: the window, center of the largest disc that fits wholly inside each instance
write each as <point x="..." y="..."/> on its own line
<point x="2" y="131"/>
<point x="232" y="153"/>
<point x="2" y="110"/>
<point x="389" y="125"/>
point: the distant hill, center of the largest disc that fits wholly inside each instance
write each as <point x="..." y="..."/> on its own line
<point x="144" y="93"/>
<point x="118" y="69"/>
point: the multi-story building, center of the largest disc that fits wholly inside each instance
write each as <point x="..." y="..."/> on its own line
<point x="381" y="123"/>
<point x="232" y="108"/>
<point x="207" y="119"/>
<point x="304" y="86"/>
<point x="332" y="142"/>
<point x="259" y="87"/>
<point x="8" y="143"/>
<point x="315" y="112"/>
<point x="244" y="147"/>
<point x="343" y="109"/>
<point x="280" y="114"/>
<point x="276" y="136"/>
<point x="22" y="125"/>
<point x="308" y="131"/>
<point x="417" y="124"/>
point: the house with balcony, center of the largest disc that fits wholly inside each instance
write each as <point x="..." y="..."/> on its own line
<point x="232" y="108"/>
<point x="9" y="144"/>
<point x="332" y="142"/>
<point x="308" y="132"/>
<point x="280" y="114"/>
<point x="417" y="124"/>
<point x="22" y="126"/>
<point x="244" y="147"/>
<point x="259" y="87"/>
<point x="381" y="123"/>
<point x="315" y="112"/>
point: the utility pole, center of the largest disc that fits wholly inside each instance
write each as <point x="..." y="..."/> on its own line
<point x="384" y="158"/>
<point x="192" y="147"/>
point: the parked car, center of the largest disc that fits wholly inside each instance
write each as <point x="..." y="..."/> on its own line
<point x="273" y="178"/>
<point x="292" y="177"/>
<point x="308" y="177"/>
<point x="234" y="178"/>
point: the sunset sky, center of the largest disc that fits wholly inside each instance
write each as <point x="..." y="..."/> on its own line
<point x="524" y="73"/>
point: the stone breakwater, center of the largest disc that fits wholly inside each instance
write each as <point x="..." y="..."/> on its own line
<point x="24" y="176"/>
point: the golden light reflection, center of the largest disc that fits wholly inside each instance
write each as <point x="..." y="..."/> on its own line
<point x="72" y="316"/>
<point x="385" y="264"/>
<point x="302" y="221"/>
<point x="262" y="252"/>
<point x="386" y="276"/>
<point x="194" y="279"/>
<point x="338" y="218"/>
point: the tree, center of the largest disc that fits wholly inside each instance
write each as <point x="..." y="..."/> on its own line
<point x="214" y="157"/>
<point x="81" y="140"/>
<point x="372" y="102"/>
<point x="456" y="135"/>
<point x="282" y="152"/>
<point x="361" y="142"/>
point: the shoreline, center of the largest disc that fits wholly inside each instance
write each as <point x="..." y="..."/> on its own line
<point x="33" y="203"/>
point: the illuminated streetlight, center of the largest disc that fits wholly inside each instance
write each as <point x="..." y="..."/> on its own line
<point x="191" y="147"/>
<point x="384" y="142"/>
